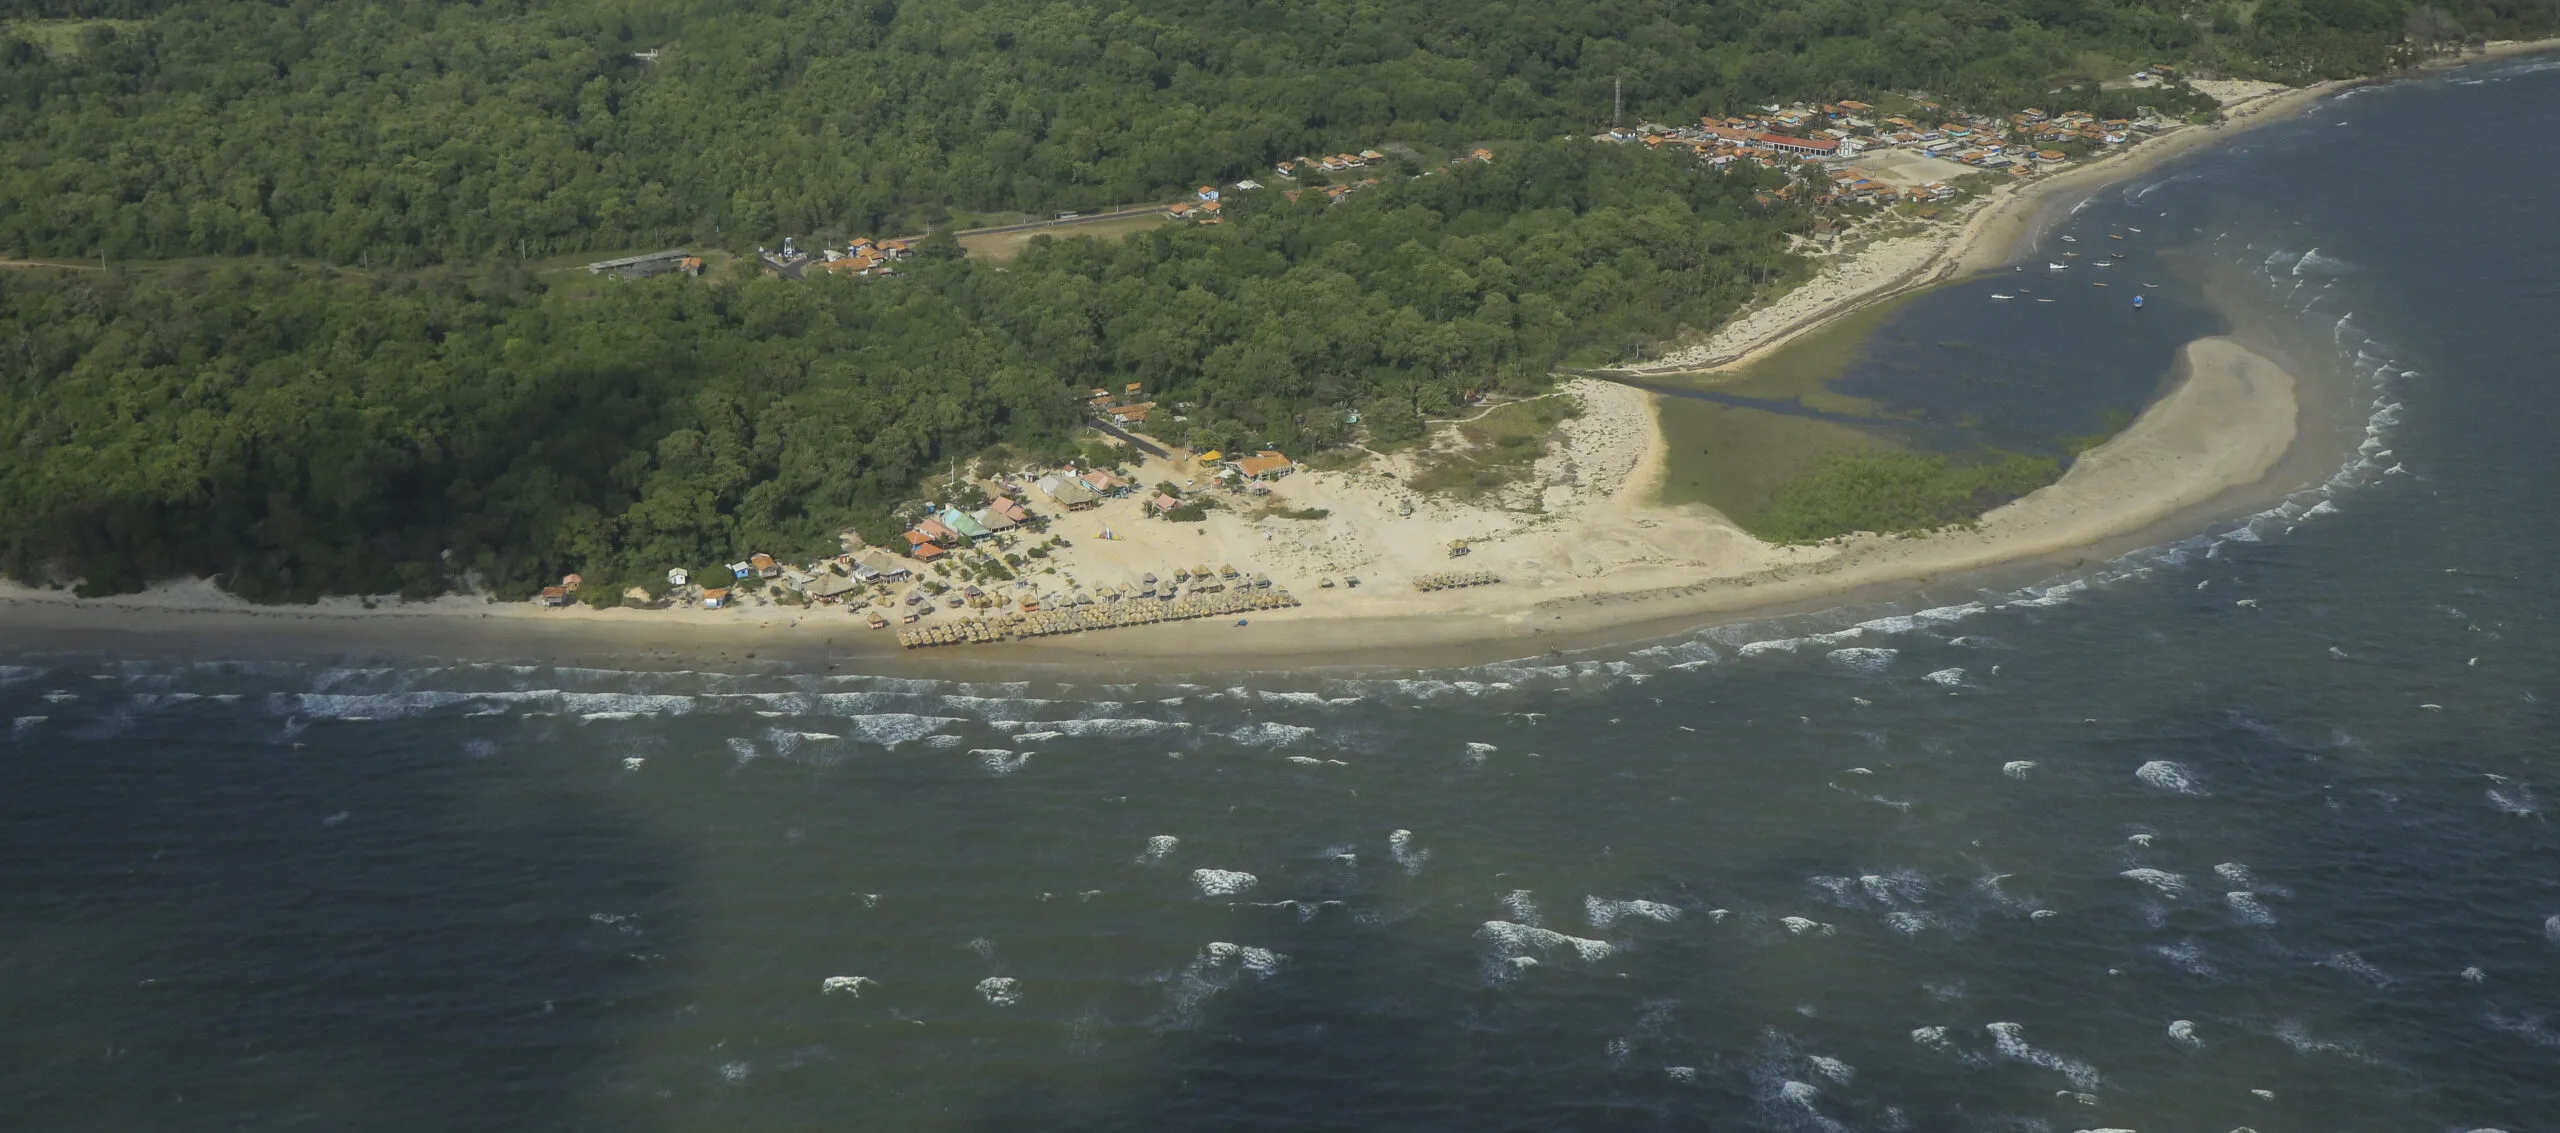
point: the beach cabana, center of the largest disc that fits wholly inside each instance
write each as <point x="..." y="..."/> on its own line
<point x="935" y="530"/>
<point x="1010" y="510"/>
<point x="962" y="522"/>
<point x="993" y="520"/>
<point x="1069" y="493"/>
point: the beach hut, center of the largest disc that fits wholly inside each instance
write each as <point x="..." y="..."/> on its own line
<point x="764" y="565"/>
<point x="963" y="523"/>
<point x="1069" y="494"/>
<point x="678" y="576"/>
<point x="714" y="598"/>
<point x="554" y="596"/>
<point x="742" y="570"/>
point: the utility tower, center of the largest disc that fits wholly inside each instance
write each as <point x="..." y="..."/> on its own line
<point x="1617" y="100"/>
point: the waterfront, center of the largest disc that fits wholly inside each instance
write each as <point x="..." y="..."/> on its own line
<point x="2283" y="779"/>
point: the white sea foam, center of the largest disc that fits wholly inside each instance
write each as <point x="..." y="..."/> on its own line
<point x="1522" y="908"/>
<point x="1864" y="660"/>
<point x="1222" y="882"/>
<point x="2012" y="1042"/>
<point x="1831" y="1068"/>
<point x="2017" y="768"/>
<point x="2515" y="799"/>
<point x="2530" y="1028"/>
<point x="2245" y="905"/>
<point x="1000" y="991"/>
<point x="1803" y="925"/>
<point x="1681" y="1073"/>
<point x="999" y="761"/>
<point x="889" y="729"/>
<point x="1603" y="913"/>
<point x="1506" y="942"/>
<point x="735" y="1072"/>
<point x="1268" y="733"/>
<point x="1949" y="678"/>
<point x="2169" y="884"/>
<point x="2551" y="929"/>
<point x="849" y="985"/>
<point x="19" y="727"/>
<point x="632" y="762"/>
<point x="2292" y="1034"/>
<point x="1158" y="849"/>
<point x="2183" y="1033"/>
<point x="1219" y="966"/>
<point x="1909" y="923"/>
<point x="2168" y="776"/>
<point x="2187" y="956"/>
<point x="1400" y="847"/>
<point x="1934" y="1038"/>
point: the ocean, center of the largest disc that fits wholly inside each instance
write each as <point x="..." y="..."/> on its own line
<point x="2247" y="830"/>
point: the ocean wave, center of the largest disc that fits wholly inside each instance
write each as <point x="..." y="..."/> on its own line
<point x="1602" y="913"/>
<point x="1219" y="967"/>
<point x="1000" y="991"/>
<point x="2011" y="1040"/>
<point x="1506" y="943"/>
<point x="1865" y="661"/>
<point x="1400" y="847"/>
<point x="1158" y="849"/>
<point x="2168" y="776"/>
<point x="2168" y="884"/>
<point x="1222" y="882"/>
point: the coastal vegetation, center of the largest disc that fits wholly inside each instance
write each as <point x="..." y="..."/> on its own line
<point x="298" y="430"/>
<point x="1890" y="492"/>
<point x="315" y="353"/>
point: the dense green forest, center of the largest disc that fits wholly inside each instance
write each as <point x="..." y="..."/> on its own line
<point x="301" y="430"/>
<point x="319" y="358"/>
<point x="395" y="132"/>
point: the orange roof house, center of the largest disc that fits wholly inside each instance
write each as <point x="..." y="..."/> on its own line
<point x="1264" y="465"/>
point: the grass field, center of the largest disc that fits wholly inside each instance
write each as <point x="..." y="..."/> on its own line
<point x="1001" y="246"/>
<point x="60" y="37"/>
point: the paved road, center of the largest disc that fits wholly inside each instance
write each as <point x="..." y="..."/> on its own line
<point x="1088" y="218"/>
<point x="1110" y="429"/>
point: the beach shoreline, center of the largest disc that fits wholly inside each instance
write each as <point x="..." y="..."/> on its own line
<point x="2230" y="436"/>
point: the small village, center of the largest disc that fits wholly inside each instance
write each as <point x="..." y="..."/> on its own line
<point x="994" y="571"/>
<point x="1870" y="157"/>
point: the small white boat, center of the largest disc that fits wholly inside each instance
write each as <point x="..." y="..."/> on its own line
<point x="2105" y="263"/>
<point x="2130" y="228"/>
<point x="2070" y="239"/>
<point x="2056" y="267"/>
<point x="2001" y="297"/>
<point x="2043" y="300"/>
<point x="2096" y="284"/>
<point x="2113" y="236"/>
<point x="2151" y="285"/>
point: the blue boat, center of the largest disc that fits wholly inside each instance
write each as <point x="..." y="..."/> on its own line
<point x="2137" y="301"/>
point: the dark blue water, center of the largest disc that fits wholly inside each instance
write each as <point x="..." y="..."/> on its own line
<point x="2266" y="810"/>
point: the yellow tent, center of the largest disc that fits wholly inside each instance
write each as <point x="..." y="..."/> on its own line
<point x="1212" y="456"/>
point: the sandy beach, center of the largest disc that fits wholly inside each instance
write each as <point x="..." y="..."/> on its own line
<point x="1585" y="553"/>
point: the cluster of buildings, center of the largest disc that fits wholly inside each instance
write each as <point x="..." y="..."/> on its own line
<point x="1338" y="163"/>
<point x="1127" y="410"/>
<point x="1831" y="132"/>
<point x="866" y="256"/>
<point x="937" y="532"/>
